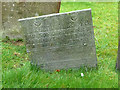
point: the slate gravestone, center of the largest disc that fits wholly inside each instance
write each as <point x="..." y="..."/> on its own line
<point x="12" y="11"/>
<point x="61" y="41"/>
<point x="118" y="57"/>
<point x="0" y="19"/>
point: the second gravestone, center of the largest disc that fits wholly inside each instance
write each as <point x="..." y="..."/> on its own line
<point x="12" y="11"/>
<point x="61" y="41"/>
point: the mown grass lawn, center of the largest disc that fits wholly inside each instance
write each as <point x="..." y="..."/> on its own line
<point x="18" y="73"/>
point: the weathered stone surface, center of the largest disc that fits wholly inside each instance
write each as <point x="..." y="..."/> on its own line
<point x="12" y="11"/>
<point x="61" y="41"/>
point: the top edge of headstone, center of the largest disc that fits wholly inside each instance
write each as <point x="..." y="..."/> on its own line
<point x="54" y="14"/>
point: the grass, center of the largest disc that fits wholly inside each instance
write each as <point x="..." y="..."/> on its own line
<point x="18" y="73"/>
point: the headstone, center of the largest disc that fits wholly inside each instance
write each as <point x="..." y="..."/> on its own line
<point x="0" y="46"/>
<point x="61" y="41"/>
<point x="12" y="11"/>
<point x="0" y="19"/>
<point x="118" y="57"/>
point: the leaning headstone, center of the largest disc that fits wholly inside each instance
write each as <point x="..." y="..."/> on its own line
<point x="12" y="11"/>
<point x="61" y="41"/>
